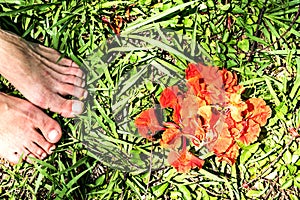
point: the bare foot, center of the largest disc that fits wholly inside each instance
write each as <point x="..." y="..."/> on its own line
<point x="20" y="124"/>
<point x="40" y="76"/>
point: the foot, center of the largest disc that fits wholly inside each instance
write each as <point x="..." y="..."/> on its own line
<point x="41" y="76"/>
<point x="23" y="139"/>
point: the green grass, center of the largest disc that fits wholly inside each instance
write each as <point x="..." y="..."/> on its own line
<point x="257" y="39"/>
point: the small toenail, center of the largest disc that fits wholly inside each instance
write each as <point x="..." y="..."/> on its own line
<point x="53" y="135"/>
<point x="52" y="149"/>
<point x="77" y="108"/>
<point x="83" y="84"/>
<point x="43" y="155"/>
<point x="85" y="94"/>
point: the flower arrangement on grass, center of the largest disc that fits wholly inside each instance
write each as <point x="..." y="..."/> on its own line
<point x="209" y="112"/>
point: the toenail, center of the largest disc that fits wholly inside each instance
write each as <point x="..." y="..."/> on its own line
<point x="83" y="84"/>
<point x="85" y="94"/>
<point x="43" y="155"/>
<point x="52" y="149"/>
<point x="77" y="108"/>
<point x="53" y="135"/>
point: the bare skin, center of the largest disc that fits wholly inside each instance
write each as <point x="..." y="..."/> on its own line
<point x="44" y="79"/>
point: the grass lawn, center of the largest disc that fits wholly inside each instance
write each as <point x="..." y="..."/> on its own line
<point x="100" y="157"/>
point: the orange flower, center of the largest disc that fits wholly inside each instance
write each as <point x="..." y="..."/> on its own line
<point x="205" y="82"/>
<point x="210" y="111"/>
<point x="190" y="105"/>
<point x="184" y="161"/>
<point x="148" y="124"/>
<point x="258" y="111"/>
<point x="199" y="89"/>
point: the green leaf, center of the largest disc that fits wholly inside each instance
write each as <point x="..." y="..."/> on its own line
<point x="256" y="193"/>
<point x="225" y="7"/>
<point x="244" y="45"/>
<point x="287" y="157"/>
<point x="160" y="189"/>
<point x="185" y="192"/>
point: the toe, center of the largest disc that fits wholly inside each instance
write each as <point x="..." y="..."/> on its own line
<point x="53" y="55"/>
<point x="71" y="108"/>
<point x="65" y="107"/>
<point x="67" y="70"/>
<point x="76" y="71"/>
<point x="70" y="79"/>
<point x="36" y="150"/>
<point x="74" y="80"/>
<point x="29" y="156"/>
<point x="72" y="71"/>
<point x="50" y="130"/>
<point x="68" y="63"/>
<point x="67" y="89"/>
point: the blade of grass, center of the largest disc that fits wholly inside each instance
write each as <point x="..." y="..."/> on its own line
<point x="138" y="24"/>
<point x="273" y="93"/>
<point x="163" y="46"/>
<point x="296" y="85"/>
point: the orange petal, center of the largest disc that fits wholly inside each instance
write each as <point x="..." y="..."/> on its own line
<point x="230" y="155"/>
<point x="176" y="114"/>
<point x="230" y="82"/>
<point x="147" y="123"/>
<point x="236" y="106"/>
<point x="205" y="112"/>
<point x="190" y="105"/>
<point x="184" y="161"/>
<point x="251" y="133"/>
<point x="258" y="110"/>
<point x="193" y="70"/>
<point x="170" y="137"/>
<point x="223" y="141"/>
<point x="168" y="98"/>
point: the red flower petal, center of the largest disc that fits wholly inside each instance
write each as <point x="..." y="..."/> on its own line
<point x="193" y="70"/>
<point x="184" y="161"/>
<point x="190" y="105"/>
<point x="236" y="106"/>
<point x="168" y="98"/>
<point x="147" y="123"/>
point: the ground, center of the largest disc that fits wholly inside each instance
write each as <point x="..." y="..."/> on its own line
<point x="258" y="40"/>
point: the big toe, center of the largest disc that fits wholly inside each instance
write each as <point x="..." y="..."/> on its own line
<point x="50" y="130"/>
